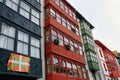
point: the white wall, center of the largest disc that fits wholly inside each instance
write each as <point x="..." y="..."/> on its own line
<point x="42" y="41"/>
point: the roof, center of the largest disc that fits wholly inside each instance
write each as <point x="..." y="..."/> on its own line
<point x="83" y="18"/>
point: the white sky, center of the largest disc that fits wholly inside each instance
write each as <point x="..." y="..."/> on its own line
<point x="104" y="15"/>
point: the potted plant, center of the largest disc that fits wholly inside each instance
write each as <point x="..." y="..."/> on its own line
<point x="56" y="41"/>
<point x="68" y="47"/>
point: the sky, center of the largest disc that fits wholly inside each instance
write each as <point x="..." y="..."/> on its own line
<point x="104" y="15"/>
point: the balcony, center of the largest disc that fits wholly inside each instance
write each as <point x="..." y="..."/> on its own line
<point x="53" y="22"/>
<point x="93" y="66"/>
<point x="89" y="47"/>
<point x="85" y="32"/>
<point x="51" y="47"/>
<point x="51" y="2"/>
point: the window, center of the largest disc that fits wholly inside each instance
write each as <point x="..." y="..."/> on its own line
<point x="58" y="17"/>
<point x="72" y="45"/>
<point x="54" y="35"/>
<point x="47" y="33"/>
<point x="69" y="69"/>
<point x="104" y="67"/>
<point x="68" y="25"/>
<point x="61" y="5"/>
<point x="80" y="50"/>
<point x="60" y="37"/>
<point x="75" y="73"/>
<point x="13" y="4"/>
<point x="7" y="37"/>
<point x="74" y="16"/>
<point x="76" y="48"/>
<point x="65" y="40"/>
<point x="100" y="53"/>
<point x="22" y="44"/>
<point x="24" y="10"/>
<point x="70" y="12"/>
<point x="35" y="47"/>
<point x="63" y="66"/>
<point x="84" y="73"/>
<point x="80" y="72"/>
<point x="63" y="22"/>
<point x="66" y="9"/>
<point x="35" y="16"/>
<point x="57" y="2"/>
<point x="77" y="31"/>
<point x="48" y="65"/>
<point x="55" y="64"/>
<point x="52" y="13"/>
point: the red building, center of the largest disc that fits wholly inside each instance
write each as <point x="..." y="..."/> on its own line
<point x="64" y="54"/>
<point x="110" y="58"/>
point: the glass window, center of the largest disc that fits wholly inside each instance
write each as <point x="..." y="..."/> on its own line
<point x="66" y="9"/>
<point x="52" y="13"/>
<point x="7" y="37"/>
<point x="48" y="65"/>
<point x="69" y="69"/>
<point x="58" y="17"/>
<point x="80" y="50"/>
<point x="77" y="31"/>
<point x="55" y="64"/>
<point x="35" y="47"/>
<point x="24" y="10"/>
<point x="74" y="16"/>
<point x="63" y="22"/>
<point x="57" y="2"/>
<point x="47" y="33"/>
<point x="65" y="40"/>
<point x="70" y="12"/>
<point x="75" y="73"/>
<point x="79" y="71"/>
<point x="76" y="48"/>
<point x="68" y="25"/>
<point x="84" y="73"/>
<point x="63" y="66"/>
<point x="22" y="45"/>
<point x="54" y="35"/>
<point x="35" y="16"/>
<point x="60" y="39"/>
<point x="72" y="45"/>
<point x="61" y="5"/>
<point x="13" y="4"/>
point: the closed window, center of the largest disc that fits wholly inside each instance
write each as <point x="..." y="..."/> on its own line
<point x="61" y="5"/>
<point x="52" y="13"/>
<point x="65" y="40"/>
<point x="68" y="25"/>
<point x="7" y="37"/>
<point x="80" y="74"/>
<point x="22" y="45"/>
<point x="58" y="17"/>
<point x="66" y="9"/>
<point x="75" y="73"/>
<point x="54" y="35"/>
<point x="60" y="37"/>
<point x="70" y="12"/>
<point x="35" y="16"/>
<point x="35" y="48"/>
<point x="84" y="73"/>
<point x="80" y="50"/>
<point x="47" y="33"/>
<point x="55" y="64"/>
<point x="24" y="10"/>
<point x="57" y="2"/>
<point x="13" y="4"/>
<point x="72" y="45"/>
<point x="63" y="22"/>
<point x="63" y="66"/>
<point x="48" y="65"/>
<point x="69" y="69"/>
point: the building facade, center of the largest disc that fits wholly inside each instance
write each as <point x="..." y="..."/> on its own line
<point x="89" y="48"/>
<point x="64" y="53"/>
<point x="20" y="40"/>
<point x="104" y="68"/>
<point x="111" y="62"/>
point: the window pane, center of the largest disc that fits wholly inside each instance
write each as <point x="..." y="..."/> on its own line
<point x="15" y="1"/>
<point x="35" y="52"/>
<point x="3" y="41"/>
<point x="8" y="30"/>
<point x="25" y="6"/>
<point x="35" y="20"/>
<point x="12" y="4"/>
<point x="10" y="44"/>
<point x="25" y="49"/>
<point x="24" y="13"/>
<point x="35" y="13"/>
<point x="35" y="42"/>
<point x="22" y="36"/>
<point x="32" y="51"/>
<point x="19" y="47"/>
